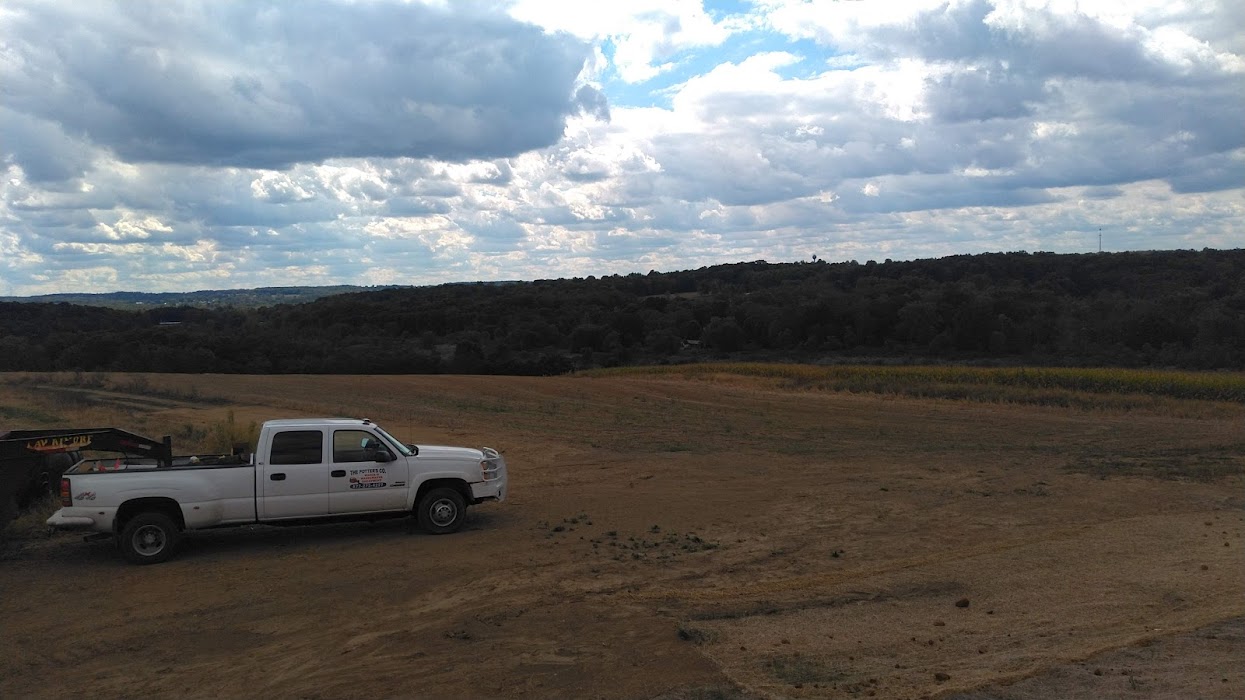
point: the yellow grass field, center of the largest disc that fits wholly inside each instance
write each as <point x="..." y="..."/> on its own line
<point x="721" y="532"/>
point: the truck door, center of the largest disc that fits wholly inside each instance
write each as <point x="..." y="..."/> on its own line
<point x="365" y="475"/>
<point x="293" y="482"/>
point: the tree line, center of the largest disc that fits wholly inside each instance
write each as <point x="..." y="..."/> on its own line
<point x="1182" y="309"/>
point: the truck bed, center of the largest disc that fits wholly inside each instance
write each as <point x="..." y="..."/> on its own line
<point x="183" y="462"/>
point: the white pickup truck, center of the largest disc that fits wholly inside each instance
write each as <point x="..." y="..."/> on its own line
<point x="302" y="470"/>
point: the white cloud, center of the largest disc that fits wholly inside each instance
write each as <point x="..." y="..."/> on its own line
<point x="133" y="226"/>
<point x="269" y="84"/>
<point x="645" y="34"/>
<point x="911" y="130"/>
<point x="278" y="187"/>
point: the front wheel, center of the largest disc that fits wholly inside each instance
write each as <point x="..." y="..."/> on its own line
<point x="150" y="538"/>
<point x="441" y="511"/>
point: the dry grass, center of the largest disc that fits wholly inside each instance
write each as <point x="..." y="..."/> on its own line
<point x="149" y="386"/>
<point x="1085" y="388"/>
<point x="30" y="525"/>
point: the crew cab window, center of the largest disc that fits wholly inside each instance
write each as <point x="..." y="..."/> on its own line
<point x="297" y="447"/>
<point x="355" y="446"/>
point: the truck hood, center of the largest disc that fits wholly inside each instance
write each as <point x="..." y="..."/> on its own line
<point x="446" y="452"/>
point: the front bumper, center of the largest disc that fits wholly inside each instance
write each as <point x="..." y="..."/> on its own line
<point x="491" y="489"/>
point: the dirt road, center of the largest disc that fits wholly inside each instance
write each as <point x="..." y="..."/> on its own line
<point x="688" y="539"/>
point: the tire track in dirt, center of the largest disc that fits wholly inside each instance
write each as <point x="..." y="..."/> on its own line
<point x="1143" y="584"/>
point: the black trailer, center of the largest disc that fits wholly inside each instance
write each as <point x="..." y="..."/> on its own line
<point x="32" y="461"/>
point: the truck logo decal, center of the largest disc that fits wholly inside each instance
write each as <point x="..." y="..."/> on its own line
<point x="367" y="476"/>
<point x="59" y="444"/>
<point x="373" y="478"/>
<point x="85" y="496"/>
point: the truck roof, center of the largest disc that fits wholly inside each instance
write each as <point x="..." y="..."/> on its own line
<point x="317" y="422"/>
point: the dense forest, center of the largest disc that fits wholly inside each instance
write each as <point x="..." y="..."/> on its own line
<point x="240" y="298"/>
<point x="1164" y="309"/>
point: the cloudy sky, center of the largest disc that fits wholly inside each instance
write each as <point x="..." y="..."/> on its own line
<point x="173" y="146"/>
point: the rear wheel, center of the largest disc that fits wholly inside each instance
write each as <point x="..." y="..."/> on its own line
<point x="441" y="511"/>
<point x="150" y="538"/>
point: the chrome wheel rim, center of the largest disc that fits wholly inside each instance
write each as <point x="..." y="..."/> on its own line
<point x="442" y="512"/>
<point x="149" y="540"/>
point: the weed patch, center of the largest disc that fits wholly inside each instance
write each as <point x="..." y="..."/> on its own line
<point x="1076" y="387"/>
<point x="795" y="669"/>
<point x="82" y="384"/>
<point x="712" y="692"/>
<point x="224" y="435"/>
<point x="659" y="548"/>
<point x="31" y="524"/>
<point x="28" y="415"/>
<point x="1203" y="465"/>
<point x="696" y="635"/>
<point x="676" y="447"/>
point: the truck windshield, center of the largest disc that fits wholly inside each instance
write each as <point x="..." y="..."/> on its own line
<point x="394" y="441"/>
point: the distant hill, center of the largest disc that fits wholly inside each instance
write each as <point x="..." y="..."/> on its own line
<point x="1178" y="308"/>
<point x="208" y="298"/>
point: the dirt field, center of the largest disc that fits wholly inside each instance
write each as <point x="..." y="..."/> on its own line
<point x="677" y="539"/>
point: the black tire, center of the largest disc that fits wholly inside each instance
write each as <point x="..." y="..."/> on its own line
<point x="8" y="508"/>
<point x="150" y="538"/>
<point x="441" y="511"/>
<point x="44" y="487"/>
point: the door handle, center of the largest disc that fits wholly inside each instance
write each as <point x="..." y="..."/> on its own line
<point x="277" y="477"/>
<point x="338" y="472"/>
